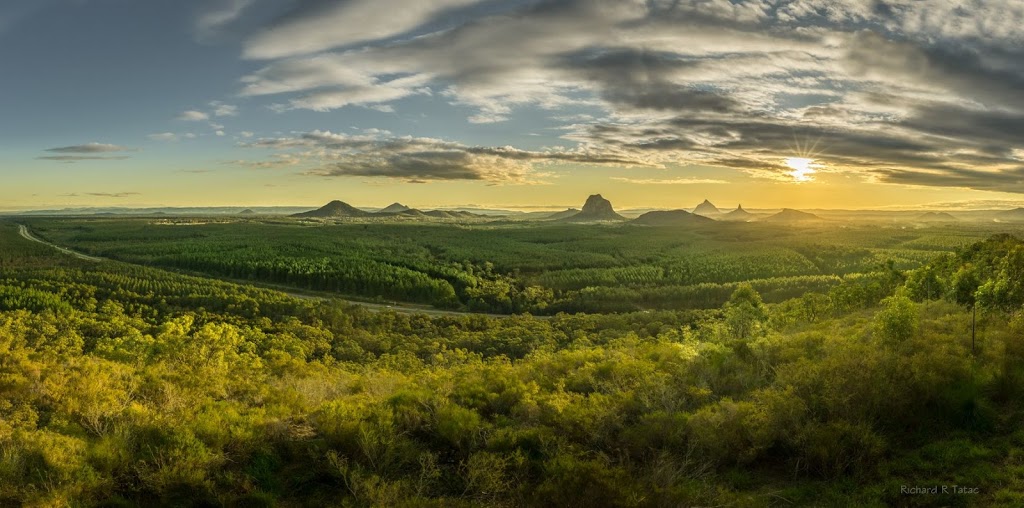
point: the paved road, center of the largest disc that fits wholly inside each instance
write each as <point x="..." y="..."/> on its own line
<point x="305" y="295"/>
<point x="26" y="234"/>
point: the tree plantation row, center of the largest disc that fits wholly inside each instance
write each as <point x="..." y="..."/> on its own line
<point x="515" y="268"/>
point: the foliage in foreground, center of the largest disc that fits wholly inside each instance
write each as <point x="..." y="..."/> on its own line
<point x="123" y="386"/>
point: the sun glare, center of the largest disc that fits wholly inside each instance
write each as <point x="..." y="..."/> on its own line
<point x="803" y="168"/>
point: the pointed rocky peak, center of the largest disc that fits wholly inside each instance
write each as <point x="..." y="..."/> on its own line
<point x="597" y="208"/>
<point x="598" y="204"/>
<point x="707" y="208"/>
<point x="739" y="214"/>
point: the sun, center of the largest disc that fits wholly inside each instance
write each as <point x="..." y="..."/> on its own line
<point x="803" y="169"/>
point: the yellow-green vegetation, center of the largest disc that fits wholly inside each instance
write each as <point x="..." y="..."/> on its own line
<point x="541" y="268"/>
<point x="123" y="385"/>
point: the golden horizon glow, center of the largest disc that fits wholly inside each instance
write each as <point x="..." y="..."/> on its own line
<point x="803" y="169"/>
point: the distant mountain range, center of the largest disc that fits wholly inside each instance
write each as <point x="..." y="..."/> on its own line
<point x="160" y="211"/>
<point x="596" y="209"/>
<point x="937" y="217"/>
<point x="339" y="209"/>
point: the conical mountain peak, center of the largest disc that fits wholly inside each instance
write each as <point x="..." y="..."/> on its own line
<point x="707" y="208"/>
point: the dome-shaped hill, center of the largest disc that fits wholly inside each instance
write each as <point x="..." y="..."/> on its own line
<point x="412" y="212"/>
<point x="565" y="214"/>
<point x="1015" y="215"/>
<point x="334" y="209"/>
<point x="439" y="214"/>
<point x="788" y="215"/>
<point x="671" y="218"/>
<point x="394" y="208"/>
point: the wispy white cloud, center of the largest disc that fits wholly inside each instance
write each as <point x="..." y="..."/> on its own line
<point x="317" y="26"/>
<point x="81" y="158"/>
<point x="90" y="148"/>
<point x="669" y="181"/>
<point x="218" y="14"/>
<point x="222" y="109"/>
<point x="193" y="116"/>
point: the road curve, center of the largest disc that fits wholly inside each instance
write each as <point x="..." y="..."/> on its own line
<point x="26" y="234"/>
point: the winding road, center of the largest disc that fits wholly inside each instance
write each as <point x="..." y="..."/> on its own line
<point x="26" y="234"/>
<point x="401" y="308"/>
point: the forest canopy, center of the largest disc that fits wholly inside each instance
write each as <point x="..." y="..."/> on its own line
<point x="127" y="385"/>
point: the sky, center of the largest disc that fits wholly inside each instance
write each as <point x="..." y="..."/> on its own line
<point x="528" y="104"/>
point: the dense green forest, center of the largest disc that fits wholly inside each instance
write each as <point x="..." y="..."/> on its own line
<point x="129" y="385"/>
<point x="540" y="268"/>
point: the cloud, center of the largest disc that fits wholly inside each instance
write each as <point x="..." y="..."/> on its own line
<point x="87" y="152"/>
<point x="112" y="194"/>
<point x="222" y="109"/>
<point x="193" y="116"/>
<point x="669" y="181"/>
<point x="316" y="26"/>
<point x="89" y="148"/>
<point x="905" y="92"/>
<point x="378" y="154"/>
<point x="80" y="158"/>
<point x="218" y="14"/>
